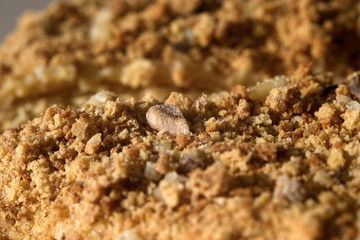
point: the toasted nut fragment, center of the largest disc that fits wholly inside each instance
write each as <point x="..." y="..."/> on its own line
<point x="262" y="89"/>
<point x="93" y="144"/>
<point x="172" y="189"/>
<point x="265" y="152"/>
<point x="100" y="98"/>
<point x="191" y="161"/>
<point x="354" y="84"/>
<point x="210" y="182"/>
<point x="150" y="172"/>
<point x="289" y="189"/>
<point x="167" y="118"/>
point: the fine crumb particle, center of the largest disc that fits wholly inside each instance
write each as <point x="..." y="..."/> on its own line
<point x="284" y="99"/>
<point x="167" y="118"/>
<point x="172" y="189"/>
<point x="243" y="109"/>
<point x="140" y="73"/>
<point x="336" y="159"/>
<point x="327" y="115"/>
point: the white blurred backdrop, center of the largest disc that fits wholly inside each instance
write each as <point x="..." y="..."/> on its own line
<point x="10" y="11"/>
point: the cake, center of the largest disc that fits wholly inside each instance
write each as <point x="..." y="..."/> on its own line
<point x="138" y="119"/>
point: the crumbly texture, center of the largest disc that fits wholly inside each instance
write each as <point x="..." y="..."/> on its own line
<point x="75" y="48"/>
<point x="283" y="165"/>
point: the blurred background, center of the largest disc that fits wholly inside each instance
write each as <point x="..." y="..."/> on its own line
<point x="10" y="11"/>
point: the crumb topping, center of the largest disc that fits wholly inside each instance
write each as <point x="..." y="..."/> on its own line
<point x="73" y="49"/>
<point x="244" y="168"/>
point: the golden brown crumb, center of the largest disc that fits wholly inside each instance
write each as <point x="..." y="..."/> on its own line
<point x="104" y="171"/>
<point x="73" y="49"/>
<point x="199" y="138"/>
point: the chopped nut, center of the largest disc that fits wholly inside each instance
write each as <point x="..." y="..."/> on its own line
<point x="83" y="127"/>
<point x="93" y="144"/>
<point x="100" y="98"/>
<point x="172" y="188"/>
<point x="211" y="182"/>
<point x="150" y="172"/>
<point x="167" y="118"/>
<point x="354" y="84"/>
<point x="262" y="89"/>
<point x="191" y="161"/>
<point x="323" y="178"/>
<point x="265" y="152"/>
<point x="289" y="189"/>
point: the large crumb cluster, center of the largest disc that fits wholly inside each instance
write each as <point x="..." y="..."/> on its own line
<point x="283" y="165"/>
<point x="135" y="47"/>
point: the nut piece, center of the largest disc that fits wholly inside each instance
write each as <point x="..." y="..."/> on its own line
<point x="100" y="98"/>
<point x="354" y="84"/>
<point x="93" y="144"/>
<point x="262" y="89"/>
<point x="192" y="160"/>
<point x="289" y="189"/>
<point x="167" y="118"/>
<point x="172" y="189"/>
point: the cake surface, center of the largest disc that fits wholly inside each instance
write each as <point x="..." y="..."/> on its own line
<point x="258" y="163"/>
<point x="73" y="49"/>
